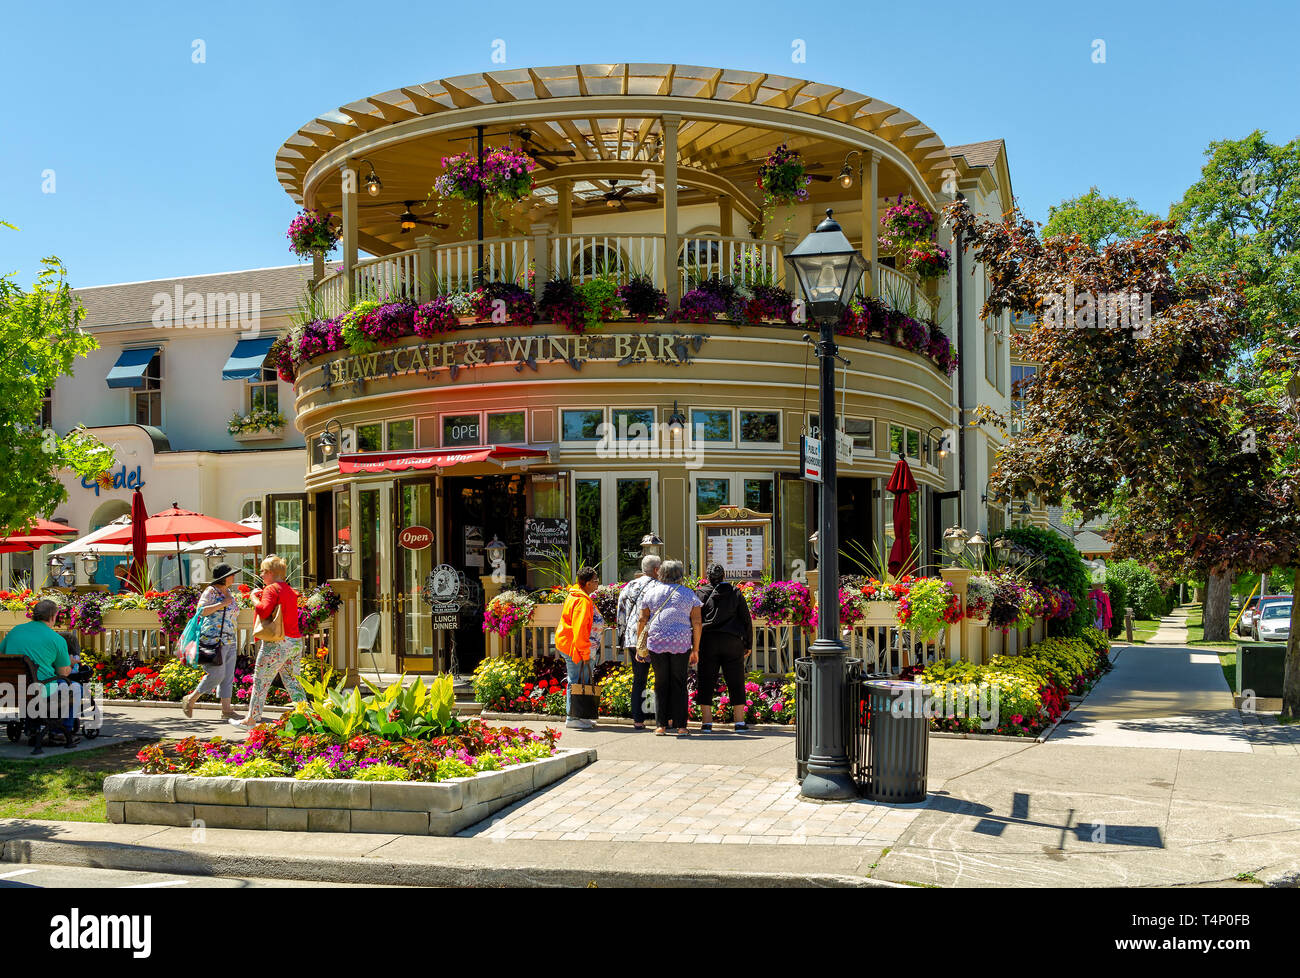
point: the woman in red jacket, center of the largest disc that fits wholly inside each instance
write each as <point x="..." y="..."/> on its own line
<point x="277" y="655"/>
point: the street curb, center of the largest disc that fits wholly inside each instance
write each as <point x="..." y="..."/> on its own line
<point x="176" y="705"/>
<point x="379" y="872"/>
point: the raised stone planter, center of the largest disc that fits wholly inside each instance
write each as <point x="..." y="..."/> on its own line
<point x="392" y="807"/>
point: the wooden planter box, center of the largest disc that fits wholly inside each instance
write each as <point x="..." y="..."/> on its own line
<point x="881" y="613"/>
<point x="131" y="620"/>
<point x="11" y="619"/>
<point x="546" y="616"/>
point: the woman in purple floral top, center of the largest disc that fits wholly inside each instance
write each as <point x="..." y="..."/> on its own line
<point x="670" y="611"/>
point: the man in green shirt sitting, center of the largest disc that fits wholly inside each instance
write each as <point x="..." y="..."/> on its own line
<point x="49" y="651"/>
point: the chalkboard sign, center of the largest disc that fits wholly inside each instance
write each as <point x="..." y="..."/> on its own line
<point x="543" y="535"/>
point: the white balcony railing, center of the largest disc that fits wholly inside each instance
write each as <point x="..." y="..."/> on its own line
<point x="440" y="269"/>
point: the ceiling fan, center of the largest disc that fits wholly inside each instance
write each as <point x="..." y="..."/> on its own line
<point x="617" y="197"/>
<point x="408" y="218"/>
<point x="539" y="153"/>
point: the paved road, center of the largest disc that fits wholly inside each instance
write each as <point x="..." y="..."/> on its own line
<point x="14" y="876"/>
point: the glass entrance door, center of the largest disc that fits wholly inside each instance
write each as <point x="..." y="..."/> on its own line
<point x="611" y="514"/>
<point x="417" y="642"/>
<point x="373" y="524"/>
<point x="284" y="533"/>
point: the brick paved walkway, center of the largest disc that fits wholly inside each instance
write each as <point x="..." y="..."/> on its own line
<point x="649" y="801"/>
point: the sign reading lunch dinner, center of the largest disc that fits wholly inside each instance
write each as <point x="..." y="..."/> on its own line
<point x="521" y="351"/>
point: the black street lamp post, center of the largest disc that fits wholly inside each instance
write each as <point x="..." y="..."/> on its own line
<point x="828" y="268"/>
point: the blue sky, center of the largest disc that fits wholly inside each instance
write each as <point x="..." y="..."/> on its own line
<point x="164" y="167"/>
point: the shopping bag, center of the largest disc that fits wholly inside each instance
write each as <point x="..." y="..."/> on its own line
<point x="584" y="696"/>
<point x="187" y="646"/>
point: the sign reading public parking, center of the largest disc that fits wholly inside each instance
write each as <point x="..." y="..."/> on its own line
<point x="810" y="458"/>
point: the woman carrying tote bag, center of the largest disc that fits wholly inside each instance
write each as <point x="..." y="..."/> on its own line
<point x="280" y="650"/>
<point x="215" y="645"/>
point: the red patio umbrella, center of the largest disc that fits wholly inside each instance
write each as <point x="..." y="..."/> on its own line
<point x="51" y="528"/>
<point x="23" y="542"/>
<point x="177" y="526"/>
<point x="139" y="569"/>
<point x="902" y="485"/>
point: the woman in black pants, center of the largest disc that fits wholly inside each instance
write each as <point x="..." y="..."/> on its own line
<point x="725" y="642"/>
<point x="670" y="619"/>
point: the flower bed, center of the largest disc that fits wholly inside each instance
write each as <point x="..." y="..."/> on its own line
<point x="1032" y="688"/>
<point x="409" y="766"/>
<point x="509" y="685"/>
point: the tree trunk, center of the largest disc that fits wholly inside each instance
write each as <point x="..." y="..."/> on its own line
<point x="1218" y="593"/>
<point x="1291" y="677"/>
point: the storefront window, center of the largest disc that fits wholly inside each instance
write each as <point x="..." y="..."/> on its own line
<point x="758" y="495"/>
<point x="370" y="438"/>
<point x="506" y="428"/>
<point x="461" y="429"/>
<point x="711" y="425"/>
<point x="366" y="556"/>
<point x="416" y="565"/>
<point x="863" y="433"/>
<point x="587" y="522"/>
<point x="794" y="527"/>
<point x="633" y="424"/>
<point x="401" y="435"/>
<point x="711" y="494"/>
<point x="913" y="444"/>
<point x="760" y="427"/>
<point x="549" y="497"/>
<point x="581" y="425"/>
<point x="251" y="508"/>
<point x="635" y="506"/>
<point x="289" y="537"/>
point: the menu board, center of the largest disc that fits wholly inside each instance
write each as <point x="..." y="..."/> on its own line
<point x="741" y="550"/>
<point x="543" y="535"/>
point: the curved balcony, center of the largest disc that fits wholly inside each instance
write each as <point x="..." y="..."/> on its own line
<point x="438" y="269"/>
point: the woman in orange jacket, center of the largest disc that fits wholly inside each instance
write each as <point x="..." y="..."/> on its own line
<point x="573" y="637"/>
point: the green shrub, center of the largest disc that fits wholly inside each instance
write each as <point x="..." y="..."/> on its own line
<point x="1117" y="591"/>
<point x="259" y="767"/>
<point x="1144" y="594"/>
<point x="179" y="680"/>
<point x="453" y="768"/>
<point x="214" y="769"/>
<point x="317" y="769"/>
<point x="1063" y="567"/>
<point x="381" y="772"/>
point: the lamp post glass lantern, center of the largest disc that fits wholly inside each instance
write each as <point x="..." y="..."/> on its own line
<point x="90" y="564"/>
<point x="342" y="558"/>
<point x="955" y="540"/>
<point x="652" y="546"/>
<point x="828" y="269"/>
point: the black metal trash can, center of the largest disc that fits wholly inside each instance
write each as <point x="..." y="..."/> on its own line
<point x="898" y="748"/>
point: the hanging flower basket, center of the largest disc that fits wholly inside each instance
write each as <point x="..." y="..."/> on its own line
<point x="311" y="233"/>
<point x="783" y="178"/>
<point x="506" y="174"/>
<point x="908" y="232"/>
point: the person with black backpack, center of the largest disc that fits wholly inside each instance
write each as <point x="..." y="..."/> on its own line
<point x="725" y="643"/>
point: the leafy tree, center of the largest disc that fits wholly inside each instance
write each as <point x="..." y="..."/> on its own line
<point x="1097" y="220"/>
<point x="1244" y="213"/>
<point x="1148" y="415"/>
<point x="40" y="339"/>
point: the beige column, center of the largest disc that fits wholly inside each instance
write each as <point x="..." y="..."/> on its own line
<point x="958" y="646"/>
<point x="789" y="240"/>
<point x="317" y="269"/>
<point x="724" y="215"/>
<point x="671" y="281"/>
<point x="343" y="639"/>
<point x="871" y="220"/>
<point x="424" y="267"/>
<point x="349" y="233"/>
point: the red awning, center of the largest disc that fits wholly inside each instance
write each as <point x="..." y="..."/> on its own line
<point x="405" y="461"/>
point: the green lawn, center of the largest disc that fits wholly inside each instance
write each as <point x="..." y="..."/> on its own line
<point x="63" y="787"/>
<point x="1143" y="629"/>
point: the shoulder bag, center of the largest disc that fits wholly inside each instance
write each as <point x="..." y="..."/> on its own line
<point x="584" y="696"/>
<point x="209" y="649"/>
<point x="270" y="629"/>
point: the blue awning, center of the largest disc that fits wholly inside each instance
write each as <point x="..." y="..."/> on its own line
<point x="246" y="362"/>
<point x="130" y="367"/>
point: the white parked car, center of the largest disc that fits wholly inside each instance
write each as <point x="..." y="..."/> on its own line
<point x="1273" y="623"/>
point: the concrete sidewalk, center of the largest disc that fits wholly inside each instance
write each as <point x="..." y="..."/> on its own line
<point x="1160" y="809"/>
